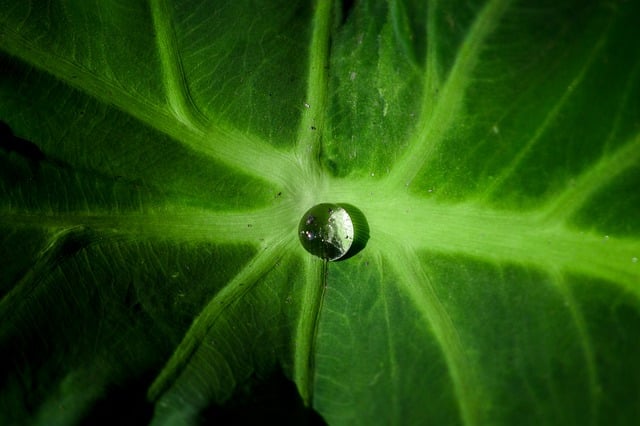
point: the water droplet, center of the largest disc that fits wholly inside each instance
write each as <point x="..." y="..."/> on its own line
<point x="634" y="259"/>
<point x="329" y="232"/>
<point x="306" y="105"/>
<point x="606" y="238"/>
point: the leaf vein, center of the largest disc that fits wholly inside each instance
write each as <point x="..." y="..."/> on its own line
<point x="435" y="122"/>
<point x="416" y="283"/>
<point x="237" y="288"/>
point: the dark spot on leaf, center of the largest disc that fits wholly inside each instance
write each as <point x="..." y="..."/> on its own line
<point x="346" y="10"/>
<point x="136" y="308"/>
<point x="123" y="403"/>
<point x="70" y="243"/>
<point x="331" y="166"/>
<point x="270" y="400"/>
<point x="11" y="143"/>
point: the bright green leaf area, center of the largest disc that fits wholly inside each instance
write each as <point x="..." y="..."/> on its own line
<point x="157" y="157"/>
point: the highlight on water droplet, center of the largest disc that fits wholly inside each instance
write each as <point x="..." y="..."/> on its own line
<point x="333" y="231"/>
<point x="309" y="235"/>
<point x="634" y="259"/>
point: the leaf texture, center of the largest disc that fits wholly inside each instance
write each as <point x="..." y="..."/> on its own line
<point x="157" y="156"/>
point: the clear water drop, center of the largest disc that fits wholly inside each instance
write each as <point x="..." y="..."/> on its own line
<point x="329" y="232"/>
<point x="634" y="259"/>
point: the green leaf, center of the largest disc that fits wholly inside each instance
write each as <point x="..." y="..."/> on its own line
<point x="157" y="158"/>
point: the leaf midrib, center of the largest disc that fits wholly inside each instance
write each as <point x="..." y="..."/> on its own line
<point x="532" y="238"/>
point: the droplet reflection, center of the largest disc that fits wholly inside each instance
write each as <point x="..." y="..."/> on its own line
<point x="327" y="231"/>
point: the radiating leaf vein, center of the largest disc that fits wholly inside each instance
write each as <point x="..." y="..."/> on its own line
<point x="548" y="121"/>
<point x="242" y="283"/>
<point x="584" y="341"/>
<point x="414" y="282"/>
<point x="594" y="179"/>
<point x="435" y="121"/>
<point x="246" y="153"/>
<point x="312" y="123"/>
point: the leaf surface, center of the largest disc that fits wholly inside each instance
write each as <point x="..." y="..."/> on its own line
<point x="157" y="157"/>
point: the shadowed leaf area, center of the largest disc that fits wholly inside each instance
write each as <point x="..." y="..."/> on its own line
<point x="157" y="159"/>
